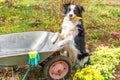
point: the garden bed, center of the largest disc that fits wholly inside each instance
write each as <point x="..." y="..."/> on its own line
<point x="101" y="20"/>
<point x="102" y="65"/>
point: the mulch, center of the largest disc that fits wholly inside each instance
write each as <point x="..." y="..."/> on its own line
<point x="117" y="73"/>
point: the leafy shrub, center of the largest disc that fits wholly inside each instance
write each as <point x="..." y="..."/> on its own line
<point x="88" y="74"/>
<point x="103" y="62"/>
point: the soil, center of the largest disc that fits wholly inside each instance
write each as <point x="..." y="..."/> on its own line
<point x="117" y="73"/>
<point x="7" y="73"/>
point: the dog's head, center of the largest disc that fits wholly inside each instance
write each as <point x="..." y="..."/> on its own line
<point x="72" y="11"/>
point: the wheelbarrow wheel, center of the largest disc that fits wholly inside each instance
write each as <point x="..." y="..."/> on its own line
<point x="57" y="68"/>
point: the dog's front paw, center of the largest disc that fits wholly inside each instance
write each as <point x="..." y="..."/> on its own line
<point x="60" y="44"/>
<point x="53" y="41"/>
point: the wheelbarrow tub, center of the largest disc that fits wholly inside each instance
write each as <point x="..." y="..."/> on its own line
<point x="14" y="48"/>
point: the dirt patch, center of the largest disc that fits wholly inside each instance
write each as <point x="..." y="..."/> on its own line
<point x="117" y="73"/>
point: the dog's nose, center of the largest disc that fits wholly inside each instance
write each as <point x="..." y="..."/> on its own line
<point x="70" y="15"/>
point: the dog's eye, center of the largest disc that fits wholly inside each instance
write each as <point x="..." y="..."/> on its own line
<point x="69" y="9"/>
<point x="75" y="10"/>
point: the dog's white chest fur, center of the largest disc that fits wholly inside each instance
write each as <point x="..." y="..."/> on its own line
<point x="69" y="29"/>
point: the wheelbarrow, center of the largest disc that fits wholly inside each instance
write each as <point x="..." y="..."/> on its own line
<point x="21" y="48"/>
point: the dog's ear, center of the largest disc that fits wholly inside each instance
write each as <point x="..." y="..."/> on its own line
<point x="81" y="8"/>
<point x="65" y="6"/>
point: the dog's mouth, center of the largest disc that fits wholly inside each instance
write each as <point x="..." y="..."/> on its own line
<point x="71" y="18"/>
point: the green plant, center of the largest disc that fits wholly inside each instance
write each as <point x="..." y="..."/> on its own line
<point x="103" y="61"/>
<point x="88" y="74"/>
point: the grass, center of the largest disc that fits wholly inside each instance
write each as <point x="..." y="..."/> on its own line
<point x="20" y="18"/>
<point x="100" y="19"/>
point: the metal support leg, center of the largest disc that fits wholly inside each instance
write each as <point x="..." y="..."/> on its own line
<point x="12" y="73"/>
<point x="26" y="73"/>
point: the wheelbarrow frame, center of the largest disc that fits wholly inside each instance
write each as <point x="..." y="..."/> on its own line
<point x="22" y="59"/>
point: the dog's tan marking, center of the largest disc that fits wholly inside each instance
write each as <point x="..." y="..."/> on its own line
<point x="61" y="36"/>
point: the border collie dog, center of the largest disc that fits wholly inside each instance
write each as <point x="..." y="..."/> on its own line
<point x="73" y="35"/>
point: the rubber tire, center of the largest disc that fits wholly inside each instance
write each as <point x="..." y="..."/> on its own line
<point x="53" y="60"/>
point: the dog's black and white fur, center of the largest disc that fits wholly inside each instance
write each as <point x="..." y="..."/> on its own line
<point x="73" y="35"/>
